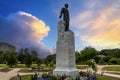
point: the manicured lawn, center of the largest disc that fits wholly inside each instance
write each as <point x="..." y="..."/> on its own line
<point x="52" y="67"/>
<point x="82" y="66"/>
<point x="112" y="68"/>
<point x="78" y="66"/>
<point x="105" y="78"/>
<point x="114" y="73"/>
<point x="43" y="70"/>
<point x="48" y="68"/>
<point x="4" y="66"/>
<point x="16" y="66"/>
<point x="20" y="66"/>
<point x="25" y="77"/>
<point x="24" y="70"/>
<point x="42" y="66"/>
<point x="28" y="77"/>
<point x="102" y="78"/>
<point x="33" y="65"/>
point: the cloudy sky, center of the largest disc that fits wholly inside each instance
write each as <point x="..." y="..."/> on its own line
<point x="33" y="23"/>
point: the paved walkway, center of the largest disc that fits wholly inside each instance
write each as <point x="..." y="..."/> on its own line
<point x="13" y="72"/>
<point x="108" y="74"/>
<point x="8" y="75"/>
<point x="100" y="67"/>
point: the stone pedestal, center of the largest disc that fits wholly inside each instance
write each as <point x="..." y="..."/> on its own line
<point x="65" y="52"/>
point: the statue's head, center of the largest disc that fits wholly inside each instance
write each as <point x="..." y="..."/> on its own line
<point x="66" y="5"/>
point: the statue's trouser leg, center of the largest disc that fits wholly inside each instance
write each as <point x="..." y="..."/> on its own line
<point x="67" y="26"/>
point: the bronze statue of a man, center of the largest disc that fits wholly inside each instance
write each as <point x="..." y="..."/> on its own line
<point x="65" y="13"/>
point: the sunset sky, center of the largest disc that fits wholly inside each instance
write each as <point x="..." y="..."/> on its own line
<point x="33" y="23"/>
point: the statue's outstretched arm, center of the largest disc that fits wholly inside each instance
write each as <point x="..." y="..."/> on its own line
<point x="61" y="13"/>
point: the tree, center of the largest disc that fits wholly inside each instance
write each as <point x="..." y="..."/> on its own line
<point x="118" y="61"/>
<point x="21" y="56"/>
<point x="34" y="56"/>
<point x="25" y="57"/>
<point x="50" y="58"/>
<point x="88" y="53"/>
<point x="11" y="59"/>
<point x="28" y="60"/>
<point x="97" y="58"/>
<point x="113" y="60"/>
<point x="26" y="50"/>
<point x="78" y="57"/>
<point x="111" y="52"/>
<point x="1" y="57"/>
<point x="38" y="62"/>
<point x="51" y="64"/>
<point x="107" y="59"/>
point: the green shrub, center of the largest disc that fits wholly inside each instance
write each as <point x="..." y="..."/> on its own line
<point x="51" y="64"/>
<point x="113" y="60"/>
<point x="118" y="61"/>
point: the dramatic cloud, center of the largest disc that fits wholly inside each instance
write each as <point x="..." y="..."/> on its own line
<point x="24" y="30"/>
<point x="99" y="24"/>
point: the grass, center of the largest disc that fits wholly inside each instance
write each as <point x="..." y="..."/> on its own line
<point x="102" y="78"/>
<point x="82" y="67"/>
<point x="114" y="73"/>
<point x="112" y="68"/>
<point x="45" y="68"/>
<point x="52" y="67"/>
<point x="16" y="66"/>
<point x="25" y="77"/>
<point x="48" y="68"/>
<point x="4" y="66"/>
<point x="105" y="78"/>
<point x="42" y="66"/>
<point x="25" y="70"/>
<point x="28" y="77"/>
<point x="20" y="66"/>
<point x="33" y="65"/>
